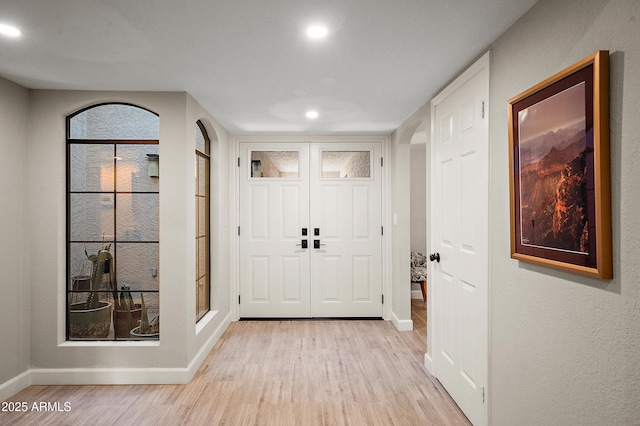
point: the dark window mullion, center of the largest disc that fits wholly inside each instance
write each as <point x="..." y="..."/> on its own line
<point x="115" y="208"/>
<point x="114" y="141"/>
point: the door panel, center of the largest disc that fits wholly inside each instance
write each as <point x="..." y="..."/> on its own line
<point x="291" y="279"/>
<point x="259" y="278"/>
<point x="274" y="207"/>
<point x="347" y="207"/>
<point x="259" y="210"/>
<point x="460" y="235"/>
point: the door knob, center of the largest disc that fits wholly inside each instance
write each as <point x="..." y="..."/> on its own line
<point x="434" y="256"/>
<point x="316" y="244"/>
<point x="304" y="244"/>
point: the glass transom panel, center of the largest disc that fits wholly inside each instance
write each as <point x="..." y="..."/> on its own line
<point x="346" y="164"/>
<point x="275" y="164"/>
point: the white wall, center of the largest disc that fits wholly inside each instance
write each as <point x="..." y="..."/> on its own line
<point x="181" y="346"/>
<point x="418" y="202"/>
<point x="209" y="328"/>
<point x="565" y="349"/>
<point x="14" y="252"/>
<point x="418" y="205"/>
<point x="401" y="195"/>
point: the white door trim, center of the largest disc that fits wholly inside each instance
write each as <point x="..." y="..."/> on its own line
<point x="293" y="138"/>
<point x="433" y="309"/>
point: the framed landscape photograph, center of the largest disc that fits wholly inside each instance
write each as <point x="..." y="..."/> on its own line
<point x="559" y="165"/>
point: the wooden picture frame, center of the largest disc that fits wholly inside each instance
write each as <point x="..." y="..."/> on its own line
<point x="560" y="173"/>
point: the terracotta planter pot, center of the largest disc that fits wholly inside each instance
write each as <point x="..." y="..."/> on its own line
<point x="89" y="323"/>
<point x="121" y="320"/>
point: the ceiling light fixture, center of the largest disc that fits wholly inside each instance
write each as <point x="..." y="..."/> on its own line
<point x="9" y="31"/>
<point x="312" y="114"/>
<point x="317" y="32"/>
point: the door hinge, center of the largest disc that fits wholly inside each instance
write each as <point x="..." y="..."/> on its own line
<point x="483" y="394"/>
<point x="482" y="110"/>
<point x="238" y="161"/>
<point x="238" y="230"/>
<point x="238" y="299"/>
<point x="382" y="230"/>
<point x="381" y="161"/>
<point x="383" y="299"/>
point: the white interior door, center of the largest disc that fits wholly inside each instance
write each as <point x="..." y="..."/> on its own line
<point x="333" y="193"/>
<point x="459" y="211"/>
<point x="274" y="207"/>
<point x="346" y="211"/>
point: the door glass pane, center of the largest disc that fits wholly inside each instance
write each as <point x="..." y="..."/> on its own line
<point x="346" y="164"/>
<point x="275" y="164"/>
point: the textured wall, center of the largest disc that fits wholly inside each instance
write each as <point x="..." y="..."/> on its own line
<point x="419" y="198"/>
<point x="14" y="254"/>
<point x="400" y="231"/>
<point x="565" y="349"/>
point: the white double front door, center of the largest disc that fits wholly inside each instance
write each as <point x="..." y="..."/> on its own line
<point x="324" y="196"/>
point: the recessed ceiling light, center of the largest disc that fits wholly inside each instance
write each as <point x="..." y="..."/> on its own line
<point x="312" y="114"/>
<point x="9" y="31"/>
<point x="317" y="32"/>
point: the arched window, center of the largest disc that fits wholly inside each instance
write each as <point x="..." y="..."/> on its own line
<point x="203" y="240"/>
<point x="112" y="223"/>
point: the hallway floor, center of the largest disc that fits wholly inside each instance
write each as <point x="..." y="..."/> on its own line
<point x="275" y="373"/>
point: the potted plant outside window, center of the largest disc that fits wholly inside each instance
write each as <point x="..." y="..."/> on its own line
<point x="91" y="319"/>
<point x="147" y="329"/>
<point x="126" y="313"/>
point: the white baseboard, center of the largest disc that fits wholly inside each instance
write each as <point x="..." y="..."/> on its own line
<point x="416" y="294"/>
<point x="401" y="325"/>
<point x="113" y="376"/>
<point x="15" y="385"/>
<point x="197" y="360"/>
<point x="108" y="376"/>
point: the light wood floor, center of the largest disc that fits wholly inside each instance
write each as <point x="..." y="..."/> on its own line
<point x="275" y="373"/>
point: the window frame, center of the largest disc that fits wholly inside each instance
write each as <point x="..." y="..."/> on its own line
<point x="114" y="241"/>
<point x="206" y="199"/>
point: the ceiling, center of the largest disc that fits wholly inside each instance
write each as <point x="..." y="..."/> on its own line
<point x="249" y="63"/>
